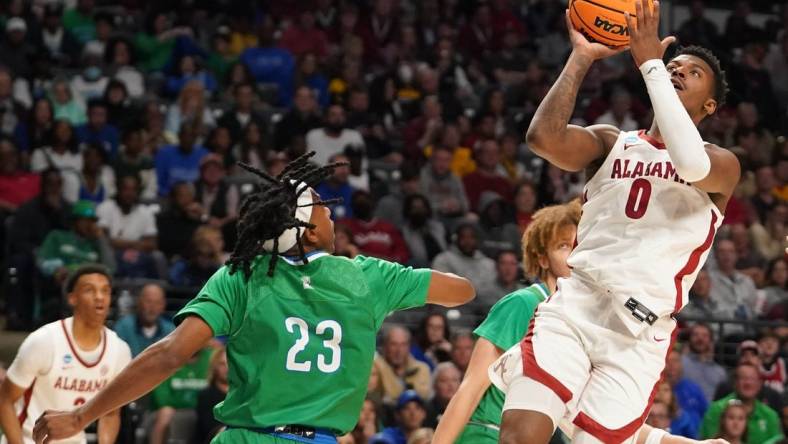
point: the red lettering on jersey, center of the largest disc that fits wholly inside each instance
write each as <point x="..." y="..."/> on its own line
<point x="648" y="169"/>
<point x="638" y="172"/>
<point x="627" y="173"/>
<point x="74" y="385"/>
<point x="616" y="169"/>
<point x="657" y="170"/>
<point x="82" y="384"/>
<point x="59" y="383"/>
<point x="669" y="171"/>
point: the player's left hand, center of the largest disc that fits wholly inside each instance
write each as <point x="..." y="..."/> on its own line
<point x="54" y="425"/>
<point x="644" y="42"/>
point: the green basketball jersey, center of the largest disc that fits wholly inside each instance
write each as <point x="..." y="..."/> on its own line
<point x="505" y="326"/>
<point x="301" y="343"/>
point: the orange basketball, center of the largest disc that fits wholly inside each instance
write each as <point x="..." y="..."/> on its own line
<point x="603" y="20"/>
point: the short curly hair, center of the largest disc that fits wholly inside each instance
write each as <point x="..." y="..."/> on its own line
<point x="541" y="233"/>
<point x="720" y="79"/>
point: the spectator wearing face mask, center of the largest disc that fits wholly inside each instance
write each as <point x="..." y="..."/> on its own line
<point x="425" y="236"/>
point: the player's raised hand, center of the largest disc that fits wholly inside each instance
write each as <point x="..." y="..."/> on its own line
<point x="54" y="425"/>
<point x="644" y="42"/>
<point x="582" y="46"/>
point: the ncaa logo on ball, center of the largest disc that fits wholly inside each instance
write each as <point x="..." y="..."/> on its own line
<point x="613" y="28"/>
<point x="67" y="358"/>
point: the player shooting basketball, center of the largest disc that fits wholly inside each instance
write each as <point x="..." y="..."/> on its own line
<point x="652" y="205"/>
<point x="300" y="322"/>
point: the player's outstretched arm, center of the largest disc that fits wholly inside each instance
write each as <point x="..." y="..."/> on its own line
<point x="142" y="375"/>
<point x="449" y="290"/>
<point x="471" y="390"/>
<point x="570" y="147"/>
<point x="9" y="423"/>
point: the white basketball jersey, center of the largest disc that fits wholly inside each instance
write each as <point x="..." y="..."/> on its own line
<point x="70" y="381"/>
<point x="644" y="232"/>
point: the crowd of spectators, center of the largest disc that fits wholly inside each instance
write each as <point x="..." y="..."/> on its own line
<point x="121" y="125"/>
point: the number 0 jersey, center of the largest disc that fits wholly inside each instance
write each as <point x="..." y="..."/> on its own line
<point x="644" y="232"/>
<point x="58" y="375"/>
<point x="301" y="343"/>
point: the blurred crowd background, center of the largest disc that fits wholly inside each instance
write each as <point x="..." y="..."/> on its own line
<point x="121" y="125"/>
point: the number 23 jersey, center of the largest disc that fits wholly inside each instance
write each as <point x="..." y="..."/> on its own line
<point x="58" y="375"/>
<point x="301" y="343"/>
<point x="644" y="231"/>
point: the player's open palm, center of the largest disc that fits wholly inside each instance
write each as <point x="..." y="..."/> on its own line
<point x="644" y="42"/>
<point x="54" y="425"/>
<point x="581" y="45"/>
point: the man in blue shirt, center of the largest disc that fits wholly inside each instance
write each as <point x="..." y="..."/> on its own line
<point x="97" y="130"/>
<point x="147" y="326"/>
<point x="270" y="64"/>
<point x="181" y="162"/>
<point x="410" y="417"/>
<point x="337" y="186"/>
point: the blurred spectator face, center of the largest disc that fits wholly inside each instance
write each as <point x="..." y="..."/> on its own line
<point x="461" y="350"/>
<point x="212" y="173"/>
<point x="507" y="267"/>
<point x="620" y="104"/>
<point x="42" y="112"/>
<point x="658" y="417"/>
<point x="116" y="94"/>
<point x="451" y="136"/>
<point x="151" y="305"/>
<point x="52" y="19"/>
<point x="436" y="328"/>
<point x="764" y="179"/>
<point x="747" y="382"/>
<point x="511" y="40"/>
<point x="62" y="132"/>
<point x="307" y="19"/>
<point x="103" y="29"/>
<point x="525" y="199"/>
<point x="418" y="213"/>
<point x="748" y="114"/>
<point x="252" y="135"/>
<point x="244" y="97"/>
<point x="382" y="8"/>
<point x="673" y="368"/>
<point x="9" y="158"/>
<point x="489" y="155"/>
<point x="92" y="159"/>
<point x="187" y="66"/>
<point x="122" y="54"/>
<point x="726" y="255"/>
<point x="348" y="18"/>
<point x="85" y="227"/>
<point x="304" y="100"/>
<point x="486" y="127"/>
<point x="733" y="422"/>
<point x="779" y="274"/>
<point x="411" y="416"/>
<point x="363" y="205"/>
<point x="496" y="102"/>
<point x="187" y="136"/>
<point x="396" y="348"/>
<point x="132" y="143"/>
<point x="128" y="192"/>
<point x="52" y="188"/>
<point x="768" y="347"/>
<point x="410" y="186"/>
<point x="16" y="36"/>
<point x="5" y="84"/>
<point x="440" y="162"/>
<point x="221" y="142"/>
<point x="60" y="91"/>
<point x="700" y="339"/>
<point x="664" y="393"/>
<point x="702" y="285"/>
<point x="509" y="145"/>
<point x="483" y="16"/>
<point x="431" y="107"/>
<point x="467" y="241"/>
<point x="359" y="101"/>
<point x="97" y="117"/>
<point x="182" y="195"/>
<point x="447" y="381"/>
<point x="335" y="118"/>
<point x="740" y="237"/>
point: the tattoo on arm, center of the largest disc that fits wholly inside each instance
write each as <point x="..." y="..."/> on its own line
<point x="556" y="109"/>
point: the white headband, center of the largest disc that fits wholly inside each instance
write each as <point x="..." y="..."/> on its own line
<point x="289" y="238"/>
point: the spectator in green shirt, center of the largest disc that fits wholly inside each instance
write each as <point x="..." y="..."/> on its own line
<point x="763" y="423"/>
<point x="79" y="21"/>
<point x="64" y="250"/>
<point x="179" y="392"/>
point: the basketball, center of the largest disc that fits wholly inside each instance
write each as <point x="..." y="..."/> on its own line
<point x="602" y="21"/>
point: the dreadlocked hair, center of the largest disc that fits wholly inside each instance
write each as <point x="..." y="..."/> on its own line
<point x="270" y="210"/>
